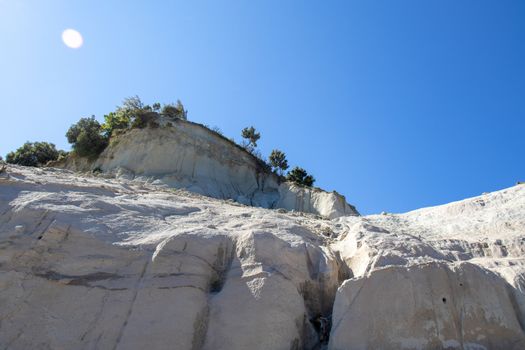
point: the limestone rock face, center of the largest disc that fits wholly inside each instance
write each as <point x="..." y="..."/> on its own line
<point x="190" y="156"/>
<point x="88" y="262"/>
<point x="313" y="200"/>
<point x="450" y="277"/>
<point x="428" y="306"/>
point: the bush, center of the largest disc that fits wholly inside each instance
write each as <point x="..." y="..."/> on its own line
<point x="278" y="161"/>
<point x="175" y="111"/>
<point x="132" y="114"/>
<point x="135" y="114"/>
<point x="300" y="176"/>
<point x="119" y="120"/>
<point x="86" y="138"/>
<point x="34" y="154"/>
<point x="143" y="118"/>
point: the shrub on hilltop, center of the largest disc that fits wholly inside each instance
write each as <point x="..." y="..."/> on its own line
<point x="89" y="138"/>
<point x="176" y="111"/>
<point x="144" y="118"/>
<point x="133" y="113"/>
<point x="34" y="154"/>
<point x="113" y="121"/>
<point x="86" y="137"/>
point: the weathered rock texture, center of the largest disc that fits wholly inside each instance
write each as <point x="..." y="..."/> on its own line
<point x="94" y="263"/>
<point x="190" y="156"/>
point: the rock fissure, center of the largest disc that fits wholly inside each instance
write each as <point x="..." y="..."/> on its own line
<point x="131" y="304"/>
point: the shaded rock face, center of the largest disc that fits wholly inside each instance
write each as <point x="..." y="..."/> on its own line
<point x="95" y="263"/>
<point x="430" y="306"/>
<point x="190" y="156"/>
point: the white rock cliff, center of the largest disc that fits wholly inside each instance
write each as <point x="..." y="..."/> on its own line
<point x="93" y="263"/>
<point x="190" y="156"/>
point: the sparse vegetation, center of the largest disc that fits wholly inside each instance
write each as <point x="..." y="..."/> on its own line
<point x="89" y="138"/>
<point x="300" y="176"/>
<point x="217" y="130"/>
<point x="277" y="161"/>
<point x="133" y="113"/>
<point x="34" y="154"/>
<point x="132" y="103"/>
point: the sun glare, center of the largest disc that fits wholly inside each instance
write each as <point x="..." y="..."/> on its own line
<point x="72" y="38"/>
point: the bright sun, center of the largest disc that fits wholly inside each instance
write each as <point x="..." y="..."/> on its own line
<point x="72" y="38"/>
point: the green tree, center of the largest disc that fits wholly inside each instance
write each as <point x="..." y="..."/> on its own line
<point x="86" y="137"/>
<point x="300" y="176"/>
<point x="119" y="120"/>
<point x="252" y="136"/>
<point x="34" y="154"/>
<point x="278" y="161"/>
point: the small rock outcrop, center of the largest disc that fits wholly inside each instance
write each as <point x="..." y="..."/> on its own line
<point x="88" y="262"/>
<point x="190" y="156"/>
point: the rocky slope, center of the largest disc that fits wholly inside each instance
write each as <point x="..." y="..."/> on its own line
<point x="93" y="263"/>
<point x="190" y="156"/>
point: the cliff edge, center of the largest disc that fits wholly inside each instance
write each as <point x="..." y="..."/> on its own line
<point x="187" y="155"/>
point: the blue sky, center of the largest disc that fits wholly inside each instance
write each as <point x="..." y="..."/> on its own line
<point x="395" y="104"/>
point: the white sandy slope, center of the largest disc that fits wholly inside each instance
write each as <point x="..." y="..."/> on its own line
<point x="94" y="263"/>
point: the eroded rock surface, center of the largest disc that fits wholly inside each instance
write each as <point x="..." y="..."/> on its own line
<point x="93" y="263"/>
<point x="190" y="156"/>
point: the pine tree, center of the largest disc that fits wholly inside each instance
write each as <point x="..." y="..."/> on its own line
<point x="300" y="177"/>
<point x="278" y="161"/>
<point x="252" y="136"/>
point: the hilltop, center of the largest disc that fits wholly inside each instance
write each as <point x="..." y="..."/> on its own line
<point x="186" y="155"/>
<point x="158" y="144"/>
